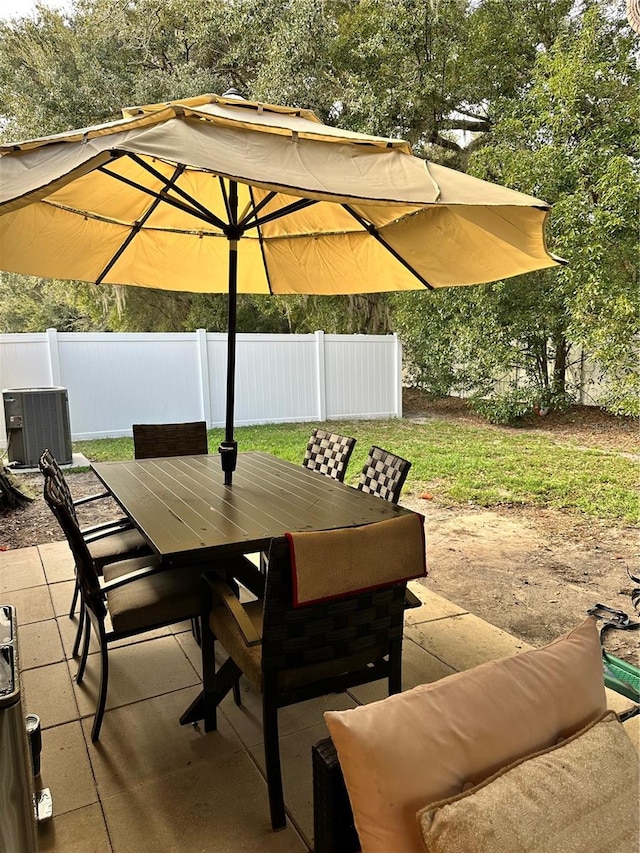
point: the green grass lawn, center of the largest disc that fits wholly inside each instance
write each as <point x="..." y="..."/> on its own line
<point x="457" y="464"/>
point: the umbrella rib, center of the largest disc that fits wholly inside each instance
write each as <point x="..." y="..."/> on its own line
<point x="253" y="213"/>
<point x="260" y="237"/>
<point x="231" y="216"/>
<point x="284" y="211"/>
<point x="138" y="225"/>
<point x="373" y="231"/>
<point x="210" y="217"/>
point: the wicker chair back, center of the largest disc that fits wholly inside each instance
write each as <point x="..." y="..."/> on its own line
<point x="329" y="453"/>
<point x="340" y="636"/>
<point x="155" y="440"/>
<point x="384" y="474"/>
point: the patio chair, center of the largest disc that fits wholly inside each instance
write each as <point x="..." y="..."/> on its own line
<point x="107" y="542"/>
<point x="383" y="475"/>
<point x="154" y="440"/>
<point x="293" y="648"/>
<point x="138" y="595"/>
<point x="151" y="441"/>
<point x="329" y="453"/>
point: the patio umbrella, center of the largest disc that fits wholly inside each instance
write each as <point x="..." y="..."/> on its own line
<point x="214" y="194"/>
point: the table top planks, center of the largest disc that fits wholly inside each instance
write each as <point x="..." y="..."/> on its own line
<point x="187" y="514"/>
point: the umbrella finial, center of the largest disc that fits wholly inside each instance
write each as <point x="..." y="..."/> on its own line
<point x="234" y="93"/>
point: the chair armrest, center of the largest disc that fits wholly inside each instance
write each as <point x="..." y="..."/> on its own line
<point x="107" y="528"/>
<point x="88" y="498"/>
<point x="139" y="574"/>
<point x="334" y="830"/>
<point x="226" y="596"/>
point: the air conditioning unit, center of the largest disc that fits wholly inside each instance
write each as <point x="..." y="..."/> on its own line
<point x="37" y="418"/>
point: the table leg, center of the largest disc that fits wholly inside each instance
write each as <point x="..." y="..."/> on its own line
<point x="226" y="677"/>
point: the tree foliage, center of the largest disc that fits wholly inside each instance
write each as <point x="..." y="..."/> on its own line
<point x="539" y="95"/>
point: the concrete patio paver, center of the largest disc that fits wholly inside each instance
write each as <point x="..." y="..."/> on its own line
<point x="66" y="769"/>
<point x="464" y="641"/>
<point x="137" y="671"/>
<point x="39" y="644"/>
<point x="20" y="569"/>
<point x="83" y="830"/>
<point x="140" y="743"/>
<point x="33" y="604"/>
<point x="220" y="806"/>
<point x="49" y="693"/>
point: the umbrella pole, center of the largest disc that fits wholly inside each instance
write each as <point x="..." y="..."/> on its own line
<point x="229" y="447"/>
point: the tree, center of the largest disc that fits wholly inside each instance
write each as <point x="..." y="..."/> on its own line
<point x="570" y="138"/>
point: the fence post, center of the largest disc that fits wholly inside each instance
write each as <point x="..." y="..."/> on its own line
<point x="203" y="363"/>
<point x="320" y="376"/>
<point x="398" y="372"/>
<point x="54" y="357"/>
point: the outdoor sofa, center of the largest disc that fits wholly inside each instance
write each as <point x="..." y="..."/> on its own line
<point x="513" y="755"/>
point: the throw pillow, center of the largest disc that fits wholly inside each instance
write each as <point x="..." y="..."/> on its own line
<point x="580" y="795"/>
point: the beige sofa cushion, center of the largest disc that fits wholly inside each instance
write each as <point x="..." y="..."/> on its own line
<point x="434" y="741"/>
<point x="579" y="795"/>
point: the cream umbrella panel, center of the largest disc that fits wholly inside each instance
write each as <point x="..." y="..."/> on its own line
<point x="220" y="194"/>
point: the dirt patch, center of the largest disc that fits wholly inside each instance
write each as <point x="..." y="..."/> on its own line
<point x="531" y="572"/>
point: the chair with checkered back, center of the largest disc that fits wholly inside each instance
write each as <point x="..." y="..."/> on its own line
<point x="383" y="475"/>
<point x="328" y="453"/>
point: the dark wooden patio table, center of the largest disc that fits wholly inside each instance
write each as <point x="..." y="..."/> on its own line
<point x="187" y="514"/>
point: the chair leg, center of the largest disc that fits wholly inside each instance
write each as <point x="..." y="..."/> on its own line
<point x="78" y="638"/>
<point x="395" y="662"/>
<point x="237" y="698"/>
<point x="272" y="761"/>
<point x="74" y="600"/>
<point x="85" y="649"/>
<point x="102" y="698"/>
<point x="208" y="646"/>
<point x="195" y="630"/>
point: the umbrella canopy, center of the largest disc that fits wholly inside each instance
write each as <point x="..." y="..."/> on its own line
<point x="214" y="194"/>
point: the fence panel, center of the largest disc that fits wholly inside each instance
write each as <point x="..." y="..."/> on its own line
<point x="362" y="376"/>
<point x="115" y="380"/>
<point x="275" y="379"/>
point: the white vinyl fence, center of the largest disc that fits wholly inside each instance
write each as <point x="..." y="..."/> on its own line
<point x="115" y="380"/>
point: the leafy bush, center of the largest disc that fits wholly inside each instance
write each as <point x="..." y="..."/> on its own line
<point x="503" y="408"/>
<point x="516" y="403"/>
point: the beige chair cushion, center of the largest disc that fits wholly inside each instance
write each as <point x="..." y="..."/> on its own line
<point x="579" y="795"/>
<point x="117" y="545"/>
<point x="632" y="728"/>
<point x="157" y="600"/>
<point x="433" y="741"/>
